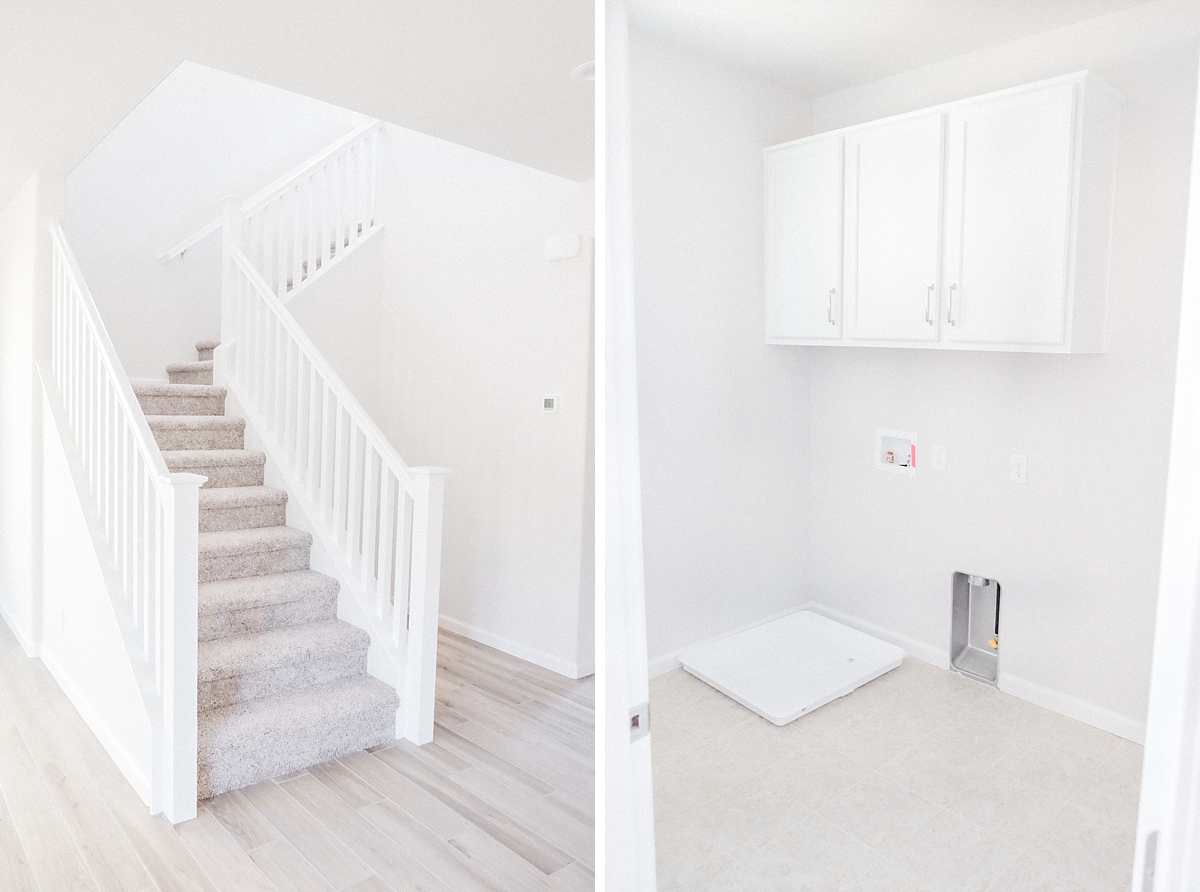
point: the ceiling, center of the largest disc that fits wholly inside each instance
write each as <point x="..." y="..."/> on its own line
<point x="493" y="75"/>
<point x="818" y="47"/>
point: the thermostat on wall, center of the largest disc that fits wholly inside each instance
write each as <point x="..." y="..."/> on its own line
<point x="550" y="404"/>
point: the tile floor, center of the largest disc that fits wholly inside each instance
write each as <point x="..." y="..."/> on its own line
<point x="920" y="780"/>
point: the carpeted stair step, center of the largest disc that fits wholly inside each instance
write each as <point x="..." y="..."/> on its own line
<point x="197" y="431"/>
<point x="191" y="372"/>
<point x="231" y="607"/>
<point x="223" y="467"/>
<point x="180" y="399"/>
<point x="204" y="349"/>
<point x="232" y="554"/>
<point x="244" y="743"/>
<point x="267" y="664"/>
<point x="242" y="508"/>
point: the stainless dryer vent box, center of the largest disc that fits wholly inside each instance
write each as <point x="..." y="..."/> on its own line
<point x="975" y="627"/>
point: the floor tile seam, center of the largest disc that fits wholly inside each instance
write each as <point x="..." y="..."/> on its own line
<point x="233" y="842"/>
<point x="299" y="851"/>
<point x="1066" y="797"/>
<point x="77" y="849"/>
<point x="46" y="795"/>
<point x="937" y="808"/>
<point x="78" y="842"/>
<point x="811" y="812"/>
<point x="915" y="792"/>
<point x="892" y="863"/>
<point x="129" y="840"/>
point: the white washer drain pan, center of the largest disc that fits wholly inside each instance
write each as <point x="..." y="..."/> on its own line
<point x="790" y="666"/>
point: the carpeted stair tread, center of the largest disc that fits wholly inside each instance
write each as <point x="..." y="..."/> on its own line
<point x="235" y="554"/>
<point x="194" y="457"/>
<point x="246" y="742"/>
<point x="241" y="508"/>
<point x="180" y="399"/>
<point x="241" y="497"/>
<point x="230" y="542"/>
<point x="223" y="467"/>
<point x="204" y="349"/>
<point x="191" y="372"/>
<point x="250" y="604"/>
<point x="279" y="647"/>
<point x="197" y="432"/>
<point x="269" y="590"/>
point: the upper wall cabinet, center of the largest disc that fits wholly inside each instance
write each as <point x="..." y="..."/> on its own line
<point x="979" y="225"/>
<point x="804" y="207"/>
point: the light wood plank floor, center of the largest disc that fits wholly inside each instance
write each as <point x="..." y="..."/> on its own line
<point x="501" y="800"/>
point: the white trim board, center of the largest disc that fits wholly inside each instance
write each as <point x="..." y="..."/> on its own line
<point x="31" y="650"/>
<point x="1073" y="707"/>
<point x="1064" y="704"/>
<point x="927" y="653"/>
<point x="515" y="648"/>
<point x="126" y="764"/>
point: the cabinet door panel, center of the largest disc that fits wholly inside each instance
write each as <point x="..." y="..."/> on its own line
<point x="804" y="240"/>
<point x="893" y="229"/>
<point x="1008" y="216"/>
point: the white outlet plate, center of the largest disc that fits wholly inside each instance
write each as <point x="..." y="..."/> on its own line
<point x="937" y="458"/>
<point x="1020" y="471"/>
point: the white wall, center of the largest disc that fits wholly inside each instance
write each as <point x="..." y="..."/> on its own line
<point x="18" y="263"/>
<point x="81" y="643"/>
<point x="475" y="327"/>
<point x="159" y="177"/>
<point x="723" y="420"/>
<point x="1076" y="550"/>
<point x="51" y="592"/>
<point x="449" y="328"/>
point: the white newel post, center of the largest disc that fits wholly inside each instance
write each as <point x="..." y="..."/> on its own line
<point x="180" y="590"/>
<point x="424" y="586"/>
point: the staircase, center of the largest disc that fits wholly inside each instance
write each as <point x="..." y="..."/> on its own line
<point x="283" y="683"/>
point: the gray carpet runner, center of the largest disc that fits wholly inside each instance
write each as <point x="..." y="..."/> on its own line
<point x="283" y="683"/>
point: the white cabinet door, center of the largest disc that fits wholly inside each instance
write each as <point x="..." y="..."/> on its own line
<point x="804" y="240"/>
<point x="893" y="229"/>
<point x="1008" y="213"/>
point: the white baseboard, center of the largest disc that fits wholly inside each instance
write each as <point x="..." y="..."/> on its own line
<point x="138" y="778"/>
<point x="31" y="649"/>
<point x="1073" y="707"/>
<point x="926" y="653"/>
<point x="516" y="648"/>
<point x="1040" y="695"/>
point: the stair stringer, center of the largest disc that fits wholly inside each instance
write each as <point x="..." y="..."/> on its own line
<point x="384" y="662"/>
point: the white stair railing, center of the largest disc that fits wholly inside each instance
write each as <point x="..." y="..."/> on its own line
<point x="144" y="522"/>
<point x="303" y="225"/>
<point x="380" y="520"/>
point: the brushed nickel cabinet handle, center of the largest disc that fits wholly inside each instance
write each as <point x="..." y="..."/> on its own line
<point x="950" y="306"/>
<point x="832" y="292"/>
